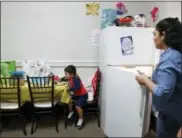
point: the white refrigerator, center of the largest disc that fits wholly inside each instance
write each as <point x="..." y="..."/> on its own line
<point x="125" y="105"/>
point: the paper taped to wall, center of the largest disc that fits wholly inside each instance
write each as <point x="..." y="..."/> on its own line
<point x="95" y="37"/>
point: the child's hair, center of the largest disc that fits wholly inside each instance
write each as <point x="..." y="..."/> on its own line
<point x="71" y="69"/>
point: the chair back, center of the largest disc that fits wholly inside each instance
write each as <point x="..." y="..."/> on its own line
<point x="41" y="89"/>
<point x="10" y="90"/>
<point x="97" y="85"/>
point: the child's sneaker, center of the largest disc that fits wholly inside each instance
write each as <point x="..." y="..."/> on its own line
<point x="80" y="124"/>
<point x="70" y="115"/>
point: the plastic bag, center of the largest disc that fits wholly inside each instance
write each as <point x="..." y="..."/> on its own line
<point x="26" y="67"/>
<point x="7" y="67"/>
<point x="46" y="68"/>
<point x="108" y="16"/>
<point x="41" y="69"/>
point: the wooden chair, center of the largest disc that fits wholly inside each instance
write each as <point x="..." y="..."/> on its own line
<point x="42" y="98"/>
<point x="10" y="102"/>
<point x="92" y="107"/>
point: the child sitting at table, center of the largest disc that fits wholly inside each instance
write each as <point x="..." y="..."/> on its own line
<point x="79" y="95"/>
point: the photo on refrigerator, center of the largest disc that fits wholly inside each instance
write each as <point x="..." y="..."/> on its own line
<point x="127" y="45"/>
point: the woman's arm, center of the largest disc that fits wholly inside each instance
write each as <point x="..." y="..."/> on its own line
<point x="166" y="81"/>
<point x="150" y="85"/>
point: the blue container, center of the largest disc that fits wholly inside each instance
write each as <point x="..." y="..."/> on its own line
<point x="18" y="74"/>
<point x="108" y="16"/>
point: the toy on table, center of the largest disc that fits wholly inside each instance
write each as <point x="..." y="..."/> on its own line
<point x="56" y="77"/>
<point x="20" y="75"/>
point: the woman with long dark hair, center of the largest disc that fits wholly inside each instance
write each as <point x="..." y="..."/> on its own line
<point x="166" y="83"/>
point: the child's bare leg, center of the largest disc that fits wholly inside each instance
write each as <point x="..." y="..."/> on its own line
<point x="80" y="115"/>
<point x="57" y="98"/>
<point x="70" y="108"/>
<point x="80" y="112"/>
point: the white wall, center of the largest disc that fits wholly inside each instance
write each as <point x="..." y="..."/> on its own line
<point x="85" y="69"/>
<point x="168" y="9"/>
<point x="61" y="32"/>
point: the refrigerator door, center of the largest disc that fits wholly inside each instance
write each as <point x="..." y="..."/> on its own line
<point x="103" y="96"/>
<point x="125" y="103"/>
<point x="128" y="45"/>
<point x="147" y="111"/>
<point x="145" y="69"/>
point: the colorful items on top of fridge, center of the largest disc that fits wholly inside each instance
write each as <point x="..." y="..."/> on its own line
<point x="121" y="8"/>
<point x="154" y="14"/>
<point x="140" y="20"/>
<point x="108" y="17"/>
<point x="115" y="17"/>
<point x="126" y="21"/>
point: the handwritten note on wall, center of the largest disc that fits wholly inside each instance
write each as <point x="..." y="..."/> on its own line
<point x="95" y="37"/>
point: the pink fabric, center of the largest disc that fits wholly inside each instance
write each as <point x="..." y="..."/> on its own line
<point x="94" y="81"/>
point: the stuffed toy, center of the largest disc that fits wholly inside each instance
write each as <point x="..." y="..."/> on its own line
<point x="121" y="8"/>
<point x="154" y="14"/>
<point x="140" y="20"/>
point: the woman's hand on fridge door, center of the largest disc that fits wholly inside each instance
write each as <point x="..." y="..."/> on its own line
<point x="139" y="72"/>
<point x="141" y="78"/>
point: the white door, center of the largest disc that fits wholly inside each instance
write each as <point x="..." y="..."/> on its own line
<point x="124" y="104"/>
<point x="103" y="96"/>
<point x="129" y="46"/>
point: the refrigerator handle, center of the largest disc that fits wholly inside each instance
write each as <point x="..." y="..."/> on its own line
<point x="142" y="104"/>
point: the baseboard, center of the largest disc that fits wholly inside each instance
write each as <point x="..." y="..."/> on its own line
<point x="150" y="134"/>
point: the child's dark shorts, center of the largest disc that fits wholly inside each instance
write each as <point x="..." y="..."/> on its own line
<point x="80" y="101"/>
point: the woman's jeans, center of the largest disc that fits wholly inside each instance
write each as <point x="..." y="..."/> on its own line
<point x="167" y="127"/>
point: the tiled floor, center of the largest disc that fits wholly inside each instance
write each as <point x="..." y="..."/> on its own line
<point x="46" y="129"/>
